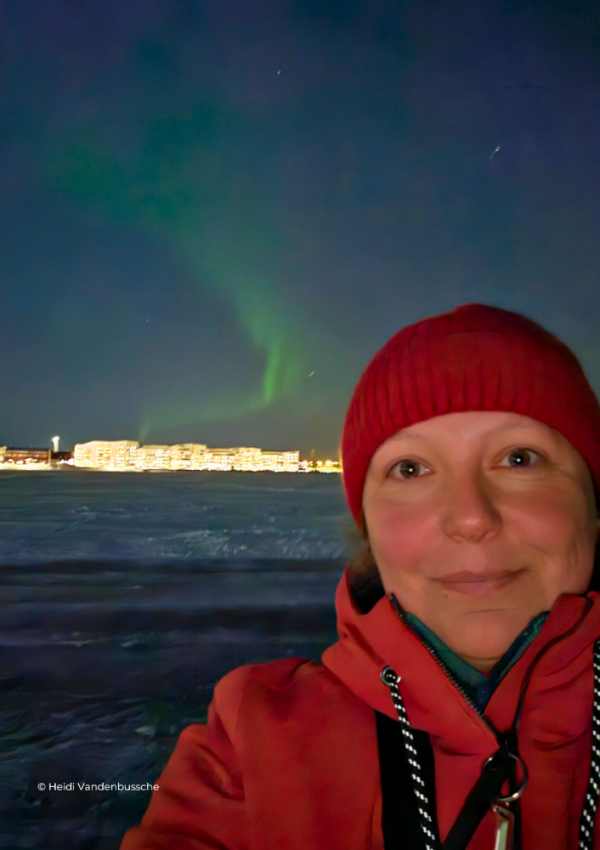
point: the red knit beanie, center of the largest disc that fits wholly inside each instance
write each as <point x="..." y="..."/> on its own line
<point x="475" y="357"/>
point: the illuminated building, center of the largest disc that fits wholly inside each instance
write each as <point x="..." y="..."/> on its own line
<point x="247" y="459"/>
<point x="281" y="461"/>
<point x="153" y="457"/>
<point x="219" y="459"/>
<point x="291" y="461"/>
<point x="187" y="456"/>
<point x="328" y="466"/>
<point x="25" y="457"/>
<point x="129" y="455"/>
<point x="115" y="454"/>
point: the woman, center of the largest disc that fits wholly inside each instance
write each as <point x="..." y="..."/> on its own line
<point x="456" y="708"/>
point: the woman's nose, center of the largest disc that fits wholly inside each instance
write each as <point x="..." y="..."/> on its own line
<point x="470" y="512"/>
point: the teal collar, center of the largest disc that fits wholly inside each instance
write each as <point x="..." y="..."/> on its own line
<point x="479" y="686"/>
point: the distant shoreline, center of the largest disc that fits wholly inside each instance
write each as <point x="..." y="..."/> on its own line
<point x="45" y="467"/>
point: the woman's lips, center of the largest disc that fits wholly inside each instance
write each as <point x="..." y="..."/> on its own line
<point x="476" y="584"/>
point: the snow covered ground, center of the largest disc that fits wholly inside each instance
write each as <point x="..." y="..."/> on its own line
<point x="124" y="598"/>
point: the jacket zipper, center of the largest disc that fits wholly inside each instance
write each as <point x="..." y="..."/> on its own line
<point x="436" y="656"/>
<point x="442" y="665"/>
<point x="591" y="798"/>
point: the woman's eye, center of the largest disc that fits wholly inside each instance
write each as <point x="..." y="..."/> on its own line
<point x="521" y="457"/>
<point x="408" y="468"/>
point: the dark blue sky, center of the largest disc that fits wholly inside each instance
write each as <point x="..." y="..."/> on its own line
<point x="205" y="202"/>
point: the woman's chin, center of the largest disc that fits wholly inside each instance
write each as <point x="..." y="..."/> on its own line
<point x="484" y="639"/>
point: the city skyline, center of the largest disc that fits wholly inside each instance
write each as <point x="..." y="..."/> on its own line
<point x="129" y="455"/>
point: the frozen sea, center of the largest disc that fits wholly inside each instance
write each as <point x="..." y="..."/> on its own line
<point x="162" y="516"/>
<point x="124" y="598"/>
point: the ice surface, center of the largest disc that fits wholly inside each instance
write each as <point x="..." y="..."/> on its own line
<point x="53" y="515"/>
<point x="123" y="599"/>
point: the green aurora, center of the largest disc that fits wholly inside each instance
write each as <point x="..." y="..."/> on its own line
<point x="180" y="190"/>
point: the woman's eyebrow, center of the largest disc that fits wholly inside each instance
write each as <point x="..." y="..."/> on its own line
<point x="407" y="436"/>
<point x="511" y="426"/>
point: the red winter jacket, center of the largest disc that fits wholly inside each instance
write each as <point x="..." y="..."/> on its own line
<point x="289" y="757"/>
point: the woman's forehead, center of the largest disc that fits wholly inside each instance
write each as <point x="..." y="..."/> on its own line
<point x="467" y="426"/>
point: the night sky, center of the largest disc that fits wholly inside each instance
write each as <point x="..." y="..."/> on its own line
<point x="202" y="202"/>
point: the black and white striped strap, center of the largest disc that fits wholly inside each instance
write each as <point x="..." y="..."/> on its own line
<point x="391" y="680"/>
<point x="586" y="825"/>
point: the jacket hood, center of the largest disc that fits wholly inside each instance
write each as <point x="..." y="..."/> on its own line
<point x="369" y="642"/>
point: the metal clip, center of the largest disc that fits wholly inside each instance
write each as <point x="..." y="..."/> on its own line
<point x="505" y="821"/>
<point x="510" y="798"/>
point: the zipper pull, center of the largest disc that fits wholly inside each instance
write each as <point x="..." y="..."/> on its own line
<point x="505" y="822"/>
<point x="389" y="677"/>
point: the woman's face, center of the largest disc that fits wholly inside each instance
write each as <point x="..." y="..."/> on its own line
<point x="478" y="521"/>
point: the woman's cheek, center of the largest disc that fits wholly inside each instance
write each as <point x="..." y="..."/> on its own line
<point x="544" y="525"/>
<point x="399" y="542"/>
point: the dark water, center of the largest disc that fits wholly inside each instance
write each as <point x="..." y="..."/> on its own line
<point x="124" y="598"/>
